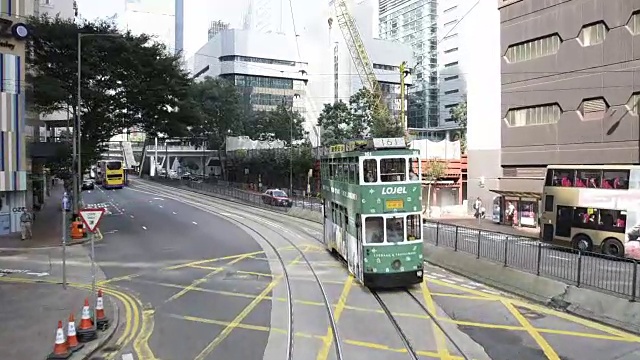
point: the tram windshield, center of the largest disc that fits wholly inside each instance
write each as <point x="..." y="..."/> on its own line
<point x="392" y="170"/>
<point x="370" y="171"/>
<point x="395" y="229"/>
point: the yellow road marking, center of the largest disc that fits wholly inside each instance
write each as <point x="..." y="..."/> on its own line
<point x="358" y="343"/>
<point x="141" y="344"/>
<point x="230" y="257"/>
<point x="544" y="345"/>
<point x="243" y="314"/>
<point x="205" y="278"/>
<point x="323" y="354"/>
<point x="543" y="310"/>
<point x="441" y="342"/>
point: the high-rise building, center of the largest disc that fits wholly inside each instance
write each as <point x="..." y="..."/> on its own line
<point x="414" y="22"/>
<point x="266" y="16"/>
<point x="215" y="27"/>
<point x="155" y="17"/>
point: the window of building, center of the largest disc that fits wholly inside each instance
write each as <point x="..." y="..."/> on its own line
<point x="449" y="37"/>
<point x="593" y="34"/>
<point x="533" y="49"/>
<point x="450" y="9"/>
<point x="449" y="92"/>
<point x="450" y="106"/>
<point x="634" y="23"/>
<point x="449" y="51"/>
<point x="451" y="64"/>
<point x="536" y="115"/>
<point x="450" y="23"/>
<point x="450" y="78"/>
<point x="392" y="170"/>
<point x="633" y="103"/>
<point x="593" y="109"/>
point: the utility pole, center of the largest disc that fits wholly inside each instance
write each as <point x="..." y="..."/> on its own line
<point x="404" y="72"/>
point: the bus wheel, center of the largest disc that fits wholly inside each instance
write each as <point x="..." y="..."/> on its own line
<point x="582" y="242"/>
<point x="612" y="247"/>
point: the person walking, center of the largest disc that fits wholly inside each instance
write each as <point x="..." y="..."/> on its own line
<point x="26" y="220"/>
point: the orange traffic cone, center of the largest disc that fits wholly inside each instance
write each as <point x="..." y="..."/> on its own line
<point x="60" y="349"/>
<point x="72" y="338"/>
<point x="86" y="332"/>
<point x="102" y="322"/>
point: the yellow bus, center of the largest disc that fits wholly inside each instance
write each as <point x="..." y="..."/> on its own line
<point x="110" y="174"/>
<point x="590" y="207"/>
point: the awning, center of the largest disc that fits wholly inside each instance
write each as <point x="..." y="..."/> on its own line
<point x="518" y="194"/>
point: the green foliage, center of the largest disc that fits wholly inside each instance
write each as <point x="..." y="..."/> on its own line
<point x="435" y="169"/>
<point x="279" y="124"/>
<point x="127" y="80"/>
<point x="272" y="167"/>
<point x="359" y="119"/>
<point x="459" y="114"/>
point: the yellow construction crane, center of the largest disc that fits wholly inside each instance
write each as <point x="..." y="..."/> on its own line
<point x="363" y="63"/>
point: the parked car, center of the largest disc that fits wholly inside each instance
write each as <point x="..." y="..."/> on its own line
<point x="276" y="197"/>
<point x="88" y="184"/>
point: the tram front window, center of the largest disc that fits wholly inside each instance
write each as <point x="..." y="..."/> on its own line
<point x="414" y="169"/>
<point x="370" y="171"/>
<point x="374" y="230"/>
<point x="392" y="170"/>
<point x="395" y="229"/>
<point x="414" y="227"/>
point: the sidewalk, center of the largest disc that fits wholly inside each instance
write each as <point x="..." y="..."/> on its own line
<point x="488" y="225"/>
<point x="30" y="313"/>
<point x="47" y="225"/>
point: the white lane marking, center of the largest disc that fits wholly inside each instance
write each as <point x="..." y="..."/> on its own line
<point x="160" y="206"/>
<point x="144" y="227"/>
<point x="131" y="216"/>
<point x="230" y="214"/>
<point x="128" y="356"/>
<point x="468" y="286"/>
<point x="157" y="198"/>
<point x="456" y="279"/>
<point x="431" y="277"/>
<point x="194" y="223"/>
<point x="175" y="213"/>
<point x="110" y="232"/>
<point x="449" y="281"/>
<point x="490" y="292"/>
<point x="150" y="201"/>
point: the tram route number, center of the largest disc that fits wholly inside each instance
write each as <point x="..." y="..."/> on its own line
<point x="394" y="204"/>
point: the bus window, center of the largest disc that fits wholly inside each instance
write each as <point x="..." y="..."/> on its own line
<point x="392" y="170"/>
<point x="374" y="230"/>
<point x="588" y="178"/>
<point x="564" y="178"/>
<point x="586" y="218"/>
<point x="395" y="229"/>
<point x="413" y="227"/>
<point x="615" y="179"/>
<point x="370" y="171"/>
<point x="612" y="220"/>
<point x="414" y="169"/>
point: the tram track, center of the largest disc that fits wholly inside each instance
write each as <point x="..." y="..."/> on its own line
<point x="198" y="203"/>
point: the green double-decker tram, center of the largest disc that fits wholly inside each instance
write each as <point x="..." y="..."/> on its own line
<point x="372" y="191"/>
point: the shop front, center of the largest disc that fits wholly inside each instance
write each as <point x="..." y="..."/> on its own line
<point x="525" y="207"/>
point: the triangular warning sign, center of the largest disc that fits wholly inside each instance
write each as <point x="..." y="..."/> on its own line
<point x="91" y="217"/>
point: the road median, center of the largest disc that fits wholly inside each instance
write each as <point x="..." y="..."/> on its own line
<point x="583" y="302"/>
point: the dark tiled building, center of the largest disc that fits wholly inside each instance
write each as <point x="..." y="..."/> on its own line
<point x="570" y="86"/>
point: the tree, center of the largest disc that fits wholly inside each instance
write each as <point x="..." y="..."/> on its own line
<point x="127" y="80"/>
<point x="278" y="124"/>
<point x="357" y="120"/>
<point x="459" y="114"/>
<point x="435" y="169"/>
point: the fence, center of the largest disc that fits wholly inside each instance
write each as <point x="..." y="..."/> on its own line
<point x="243" y="192"/>
<point x="583" y="269"/>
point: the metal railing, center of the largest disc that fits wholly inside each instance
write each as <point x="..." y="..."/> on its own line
<point x="583" y="269"/>
<point x="243" y="193"/>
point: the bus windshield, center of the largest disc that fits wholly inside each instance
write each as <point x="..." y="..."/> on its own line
<point x="114" y="165"/>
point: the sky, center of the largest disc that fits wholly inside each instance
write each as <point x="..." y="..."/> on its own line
<point x="197" y="16"/>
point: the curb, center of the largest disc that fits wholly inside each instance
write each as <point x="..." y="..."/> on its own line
<point x="108" y="335"/>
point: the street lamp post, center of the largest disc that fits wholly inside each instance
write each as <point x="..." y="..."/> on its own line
<point x="295" y="96"/>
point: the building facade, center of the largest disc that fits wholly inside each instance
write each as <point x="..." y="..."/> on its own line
<point x="414" y="22"/>
<point x="15" y="130"/>
<point x="570" y="87"/>
<point x="66" y="9"/>
<point x="262" y="65"/>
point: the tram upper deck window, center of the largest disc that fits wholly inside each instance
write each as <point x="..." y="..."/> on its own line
<point x="374" y="230"/>
<point x="392" y="170"/>
<point x="395" y="229"/>
<point x="370" y="170"/>
<point x="414" y="227"/>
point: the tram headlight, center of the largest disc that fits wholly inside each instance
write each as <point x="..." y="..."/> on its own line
<point x="396" y="264"/>
<point x="419" y="273"/>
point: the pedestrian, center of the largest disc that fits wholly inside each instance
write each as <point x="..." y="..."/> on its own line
<point x="25" y="224"/>
<point x="477" y="206"/>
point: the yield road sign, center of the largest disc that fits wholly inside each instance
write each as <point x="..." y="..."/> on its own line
<point x="91" y="217"/>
